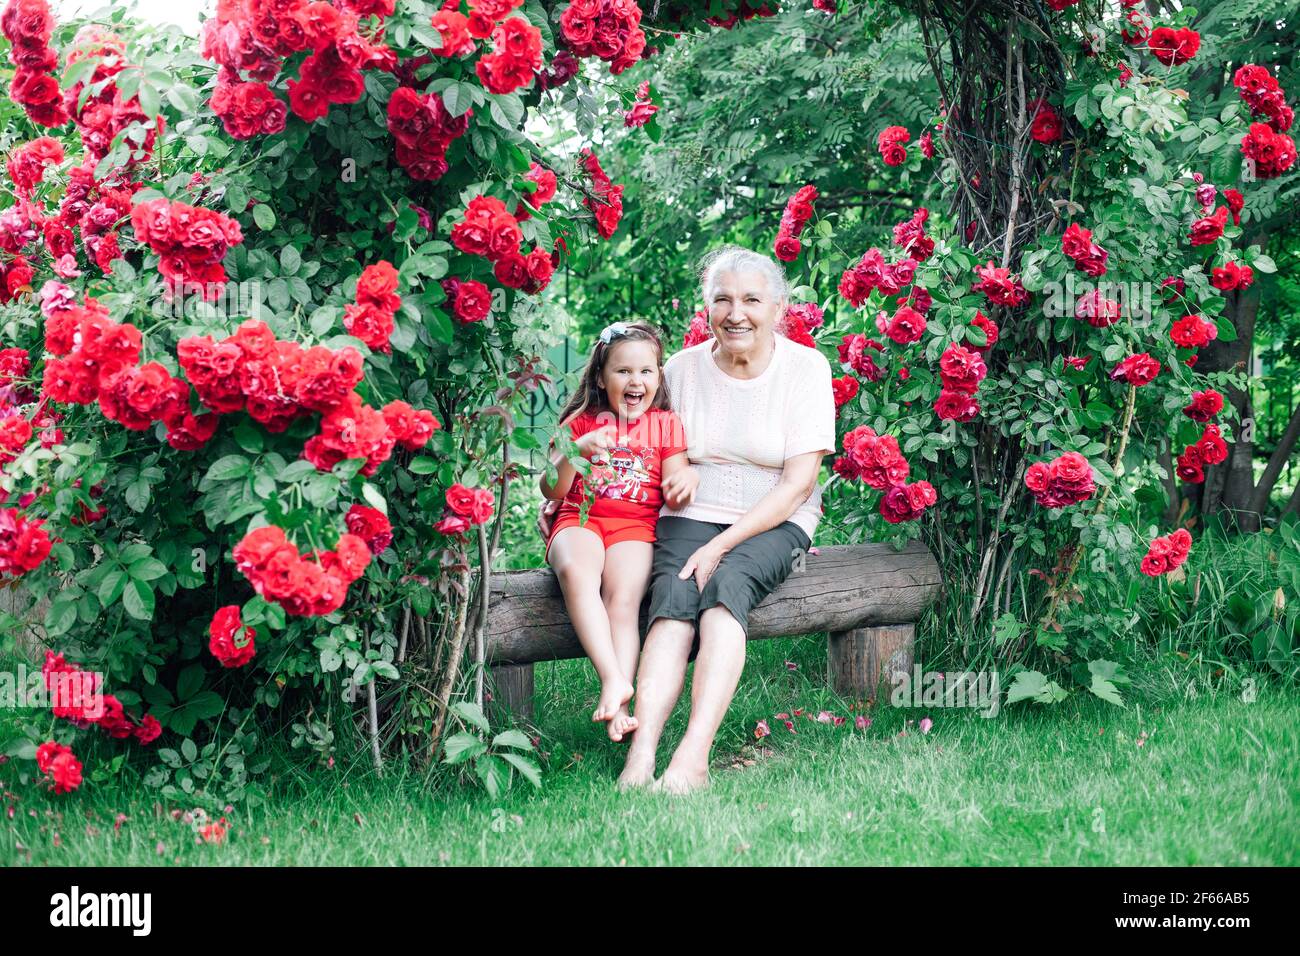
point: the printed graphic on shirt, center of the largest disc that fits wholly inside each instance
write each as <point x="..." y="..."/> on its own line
<point x="631" y="474"/>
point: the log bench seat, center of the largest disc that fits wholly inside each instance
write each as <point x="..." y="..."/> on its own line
<point x="867" y="597"/>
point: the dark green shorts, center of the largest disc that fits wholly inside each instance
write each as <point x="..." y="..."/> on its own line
<point x="746" y="574"/>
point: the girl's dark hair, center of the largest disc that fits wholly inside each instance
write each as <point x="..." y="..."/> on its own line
<point x="589" y="396"/>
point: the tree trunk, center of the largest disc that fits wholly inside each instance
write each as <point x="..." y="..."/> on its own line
<point x="1281" y="455"/>
<point x="1239" y="478"/>
<point x="1232" y="484"/>
<point x="1293" y="505"/>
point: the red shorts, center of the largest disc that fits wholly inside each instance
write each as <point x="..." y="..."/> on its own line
<point x="611" y="530"/>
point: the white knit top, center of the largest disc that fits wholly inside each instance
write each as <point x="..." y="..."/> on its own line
<point x="739" y="432"/>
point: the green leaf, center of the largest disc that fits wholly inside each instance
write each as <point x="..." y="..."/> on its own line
<point x="323" y="320"/>
<point x="249" y="438"/>
<point x="374" y="497"/>
<point x="263" y="216"/>
<point x="1028" y="685"/>
<point x="439" y="325"/>
<point x="111" y="588"/>
<point x="512" y="738"/>
<point x="507" y="110"/>
<point x="138" y="599"/>
<point x="494" y="774"/>
<point x="189" y="682"/>
<point x="224" y="469"/>
<point x="1108" y="670"/>
<point x="206" y="704"/>
<point x="296" y="471"/>
<point x="290" y="260"/>
<point x="147" y="569"/>
<point x="473" y="714"/>
<point x="137" y="495"/>
<point x="189" y="750"/>
<point x="236" y="196"/>
<point x="1227" y="331"/>
<point x="1007" y="628"/>
<point x="424" y="466"/>
<point x="461" y="747"/>
<point x="1105" y="690"/>
<point x="525" y="766"/>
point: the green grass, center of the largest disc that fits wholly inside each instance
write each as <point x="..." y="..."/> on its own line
<point x="1215" y="782"/>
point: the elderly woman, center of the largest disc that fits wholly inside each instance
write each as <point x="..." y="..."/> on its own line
<point x="759" y="413"/>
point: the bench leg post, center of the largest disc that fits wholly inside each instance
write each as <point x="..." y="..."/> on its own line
<point x="863" y="657"/>
<point x="513" y="685"/>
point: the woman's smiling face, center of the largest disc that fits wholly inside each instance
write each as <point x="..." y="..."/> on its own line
<point x="630" y="377"/>
<point x="742" y="312"/>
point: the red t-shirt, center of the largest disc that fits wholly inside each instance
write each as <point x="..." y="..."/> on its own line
<point x="628" y="481"/>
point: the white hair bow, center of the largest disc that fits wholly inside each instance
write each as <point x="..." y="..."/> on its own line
<point x="611" y="330"/>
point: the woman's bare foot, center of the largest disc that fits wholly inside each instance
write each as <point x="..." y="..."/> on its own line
<point x="622" y="725"/>
<point x="685" y="773"/>
<point x="637" y="772"/>
<point x="614" y="695"/>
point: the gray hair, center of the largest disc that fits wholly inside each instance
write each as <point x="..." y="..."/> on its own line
<point x="740" y="259"/>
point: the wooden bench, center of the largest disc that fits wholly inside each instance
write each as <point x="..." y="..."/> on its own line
<point x="867" y="597"/>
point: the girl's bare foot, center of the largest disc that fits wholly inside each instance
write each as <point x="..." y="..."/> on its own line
<point x="614" y="695"/>
<point x="622" y="724"/>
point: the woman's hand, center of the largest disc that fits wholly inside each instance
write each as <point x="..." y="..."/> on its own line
<point x="679" y="488"/>
<point x="597" y="442"/>
<point x="702" y="564"/>
<point x="546" y="517"/>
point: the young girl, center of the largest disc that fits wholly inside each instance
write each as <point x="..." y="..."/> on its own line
<point x="620" y="420"/>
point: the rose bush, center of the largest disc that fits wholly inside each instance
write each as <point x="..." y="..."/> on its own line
<point x="271" y="304"/>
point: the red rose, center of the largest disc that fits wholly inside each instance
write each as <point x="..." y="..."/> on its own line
<point x="452" y="524"/>
<point x="454" y="29"/>
<point x="1062" y="482"/>
<point x="1047" y="125"/>
<point x="787" y="248"/>
<point x="981" y="321"/>
<point x="1232" y="275"/>
<point x="1193" y="332"/>
<point x="512" y="271"/>
<point x="371" y="325"/>
<point x="473" y="301"/>
<point x="961" y="369"/>
<point x="1236" y="202"/>
<point x="957" y="406"/>
<point x="904" y="327"/>
<point x="999" y="285"/>
<point x="1172" y="47"/>
<point x="1190" y="466"/>
<point x="230" y="642"/>
<point x="377" y="286"/>
<point x="371" y="526"/>
<point x="1209" y="228"/>
<point x="1204" y="405"/>
<point x="845" y="389"/>
<point x="460" y="500"/>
